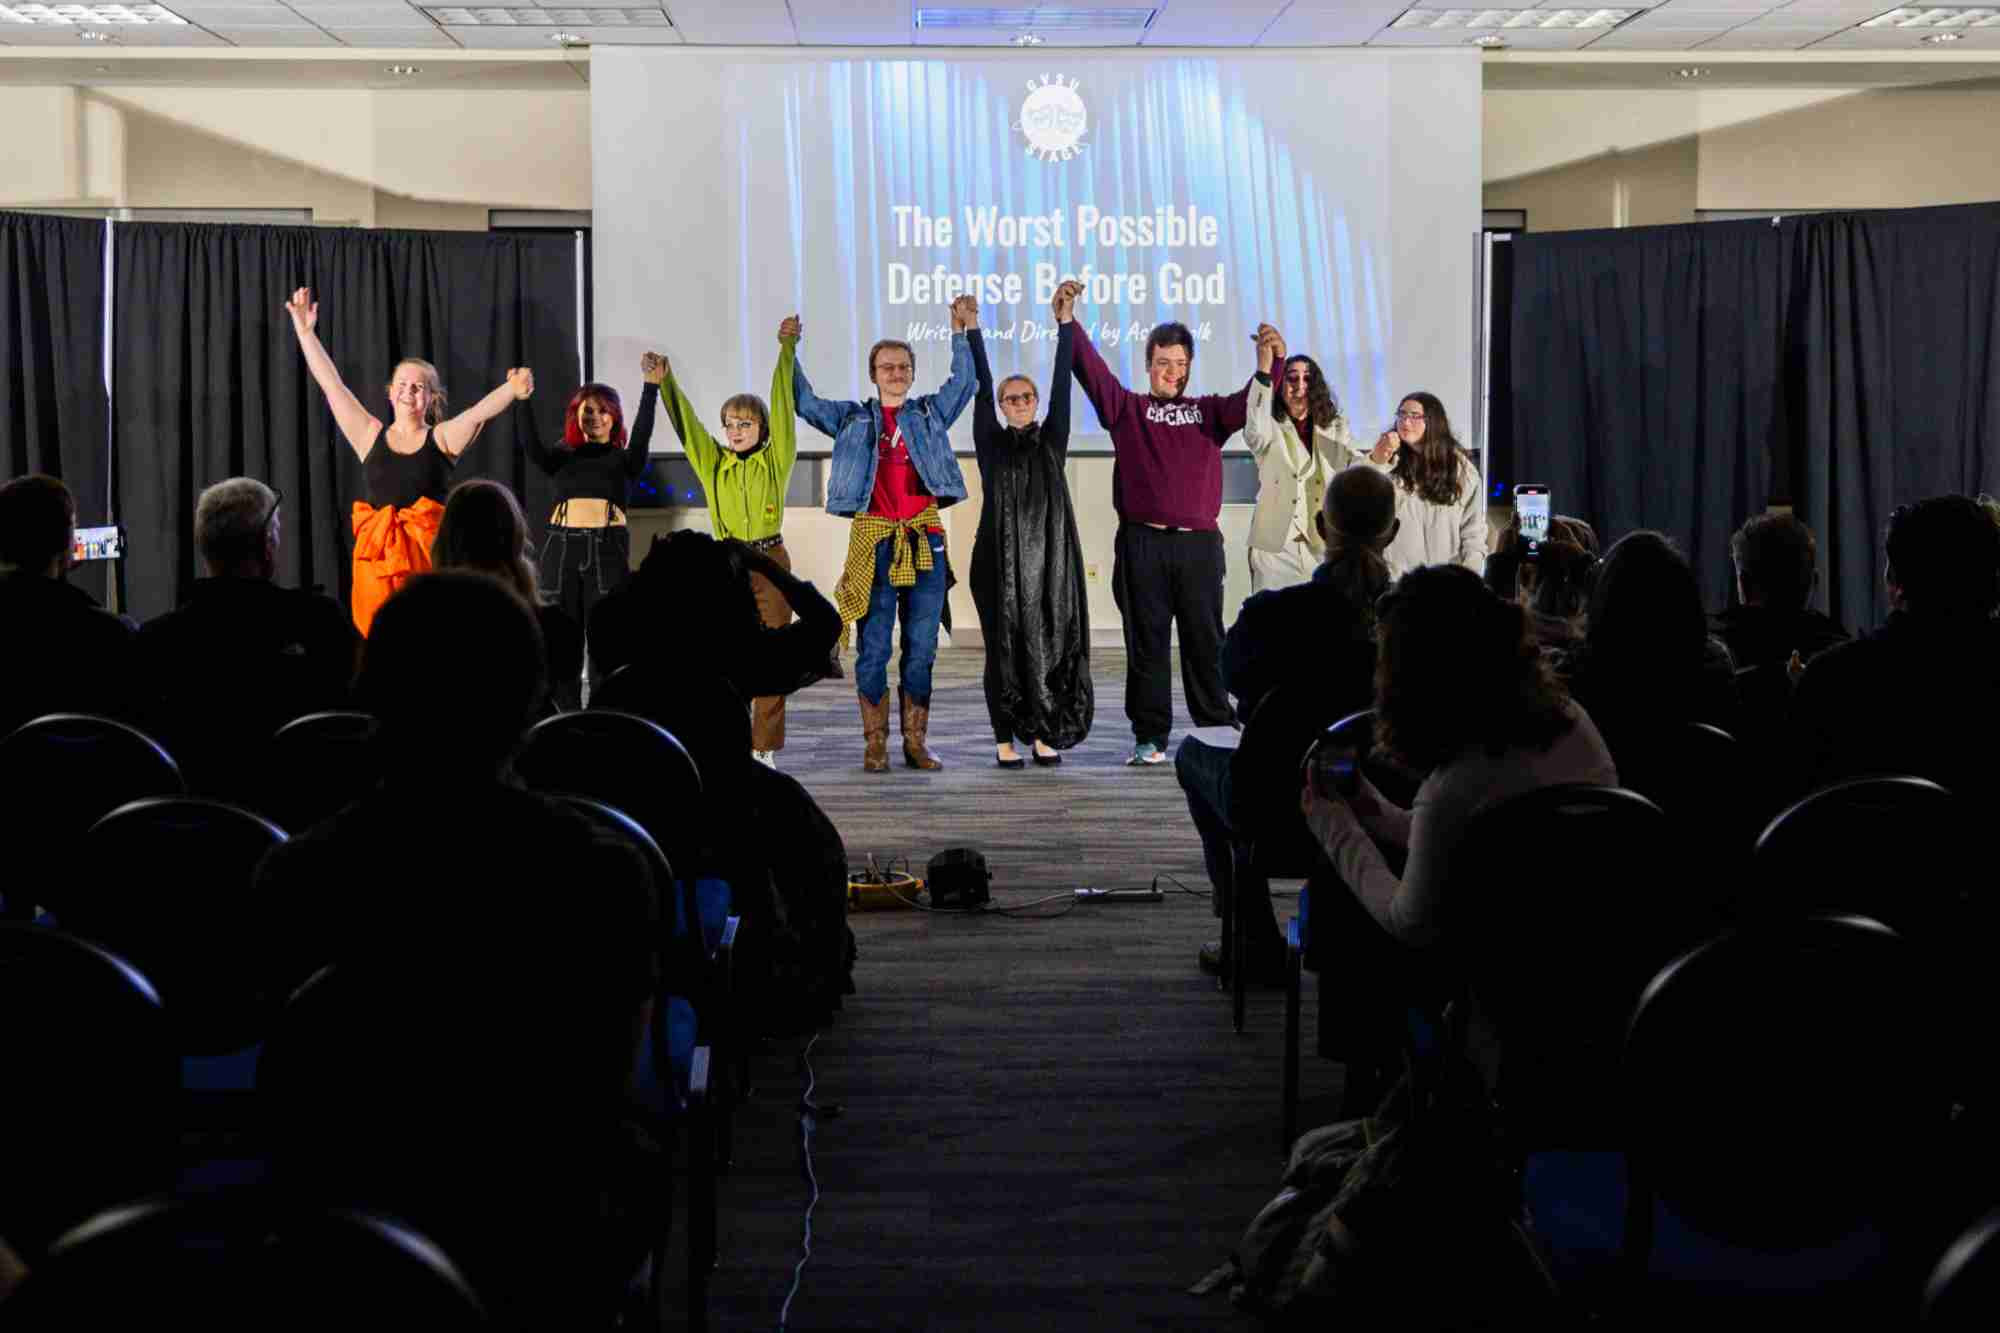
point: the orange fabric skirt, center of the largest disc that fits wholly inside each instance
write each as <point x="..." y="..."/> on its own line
<point x="392" y="545"/>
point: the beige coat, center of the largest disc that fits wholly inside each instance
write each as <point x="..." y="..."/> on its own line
<point x="1291" y="479"/>
<point x="1434" y="534"/>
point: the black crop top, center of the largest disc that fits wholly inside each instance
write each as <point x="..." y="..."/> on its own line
<point x="596" y="471"/>
<point x="403" y="479"/>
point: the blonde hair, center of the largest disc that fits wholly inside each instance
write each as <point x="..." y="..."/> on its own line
<point x="749" y="402"/>
<point x="435" y="413"/>
<point x="484" y="531"/>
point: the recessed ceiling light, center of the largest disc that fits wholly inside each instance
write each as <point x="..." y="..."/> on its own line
<point x="403" y="71"/>
<point x="74" y="15"/>
<point x="1691" y="72"/>
<point x="1492" y="41"/>
<point x="94" y="35"/>
<point x="567" y="39"/>
<point x="1028" y="39"/>
<point x="1921" y="16"/>
<point x="1479" y="20"/>
<point x="1935" y="38"/>
<point x="1045" y="17"/>
<point x="537" y="16"/>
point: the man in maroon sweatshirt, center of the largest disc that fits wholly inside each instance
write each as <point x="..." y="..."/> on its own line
<point x="1166" y="485"/>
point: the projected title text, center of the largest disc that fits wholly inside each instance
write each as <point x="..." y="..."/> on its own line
<point x="1172" y="283"/>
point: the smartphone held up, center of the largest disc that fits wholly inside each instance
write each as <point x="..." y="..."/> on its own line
<point x="1531" y="510"/>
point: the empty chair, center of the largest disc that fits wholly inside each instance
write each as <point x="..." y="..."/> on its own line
<point x="629" y="763"/>
<point x="170" y="889"/>
<point x="87" y="1116"/>
<point x="320" y="763"/>
<point x="1786" y="1094"/>
<point x="1892" y="848"/>
<point x="65" y="771"/>
<point x="233" y="1265"/>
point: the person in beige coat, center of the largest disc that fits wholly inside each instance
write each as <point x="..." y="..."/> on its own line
<point x="1296" y="430"/>
<point x="1440" y="498"/>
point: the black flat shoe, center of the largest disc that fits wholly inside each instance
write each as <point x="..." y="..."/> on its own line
<point x="1015" y="762"/>
<point x="1047" y="761"/>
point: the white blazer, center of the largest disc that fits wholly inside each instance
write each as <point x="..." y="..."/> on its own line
<point x="1291" y="478"/>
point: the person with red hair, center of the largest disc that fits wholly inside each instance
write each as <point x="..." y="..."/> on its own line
<point x="588" y="548"/>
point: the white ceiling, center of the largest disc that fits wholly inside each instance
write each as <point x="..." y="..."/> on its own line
<point x="1665" y="25"/>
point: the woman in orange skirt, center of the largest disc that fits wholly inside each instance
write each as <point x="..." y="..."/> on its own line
<point x="407" y="463"/>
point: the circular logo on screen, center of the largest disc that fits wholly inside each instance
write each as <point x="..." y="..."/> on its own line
<point x="1053" y="119"/>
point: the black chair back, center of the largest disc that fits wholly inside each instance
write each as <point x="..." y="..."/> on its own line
<point x="1895" y="849"/>
<point x="700" y="709"/>
<point x="1783" y="1084"/>
<point x="64" y="772"/>
<point x="169" y="887"/>
<point x="320" y="764"/>
<point x="1964" y="1290"/>
<point x="87" y="1115"/>
<point x="1561" y="904"/>
<point x="1264" y="777"/>
<point x="627" y="762"/>
<point x="234" y="1267"/>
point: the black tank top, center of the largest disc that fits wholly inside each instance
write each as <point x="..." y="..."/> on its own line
<point x="403" y="479"/>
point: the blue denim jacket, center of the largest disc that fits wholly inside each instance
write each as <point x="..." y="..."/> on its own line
<point x="856" y="427"/>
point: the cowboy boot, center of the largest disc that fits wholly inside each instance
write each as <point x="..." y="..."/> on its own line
<point x="916" y="725"/>
<point x="875" y="730"/>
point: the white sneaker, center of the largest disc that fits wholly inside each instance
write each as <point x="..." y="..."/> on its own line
<point x="768" y="758"/>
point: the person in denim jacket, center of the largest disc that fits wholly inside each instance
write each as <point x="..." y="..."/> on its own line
<point x="892" y="471"/>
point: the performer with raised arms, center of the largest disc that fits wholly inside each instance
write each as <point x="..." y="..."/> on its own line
<point x="892" y="471"/>
<point x="1166" y="485"/>
<point x="745" y="479"/>
<point x="407" y="463"/>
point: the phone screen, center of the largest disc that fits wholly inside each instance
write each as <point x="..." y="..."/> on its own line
<point x="1333" y="770"/>
<point x="98" y="544"/>
<point x="1531" y="504"/>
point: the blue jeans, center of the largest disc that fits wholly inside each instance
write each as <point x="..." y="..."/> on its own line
<point x="921" y="606"/>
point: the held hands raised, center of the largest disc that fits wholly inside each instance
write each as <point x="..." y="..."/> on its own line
<point x="522" y="381"/>
<point x="655" y="368"/>
<point x="1270" y="348"/>
<point x="303" y="310"/>
<point x="790" y="327"/>
<point x="1064" y="306"/>
<point x="964" y="314"/>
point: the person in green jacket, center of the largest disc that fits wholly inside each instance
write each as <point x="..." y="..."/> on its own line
<point x="745" y="478"/>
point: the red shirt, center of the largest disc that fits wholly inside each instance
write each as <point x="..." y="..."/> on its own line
<point x="899" y="492"/>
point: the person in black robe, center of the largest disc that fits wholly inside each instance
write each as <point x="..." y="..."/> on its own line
<point x="1027" y="565"/>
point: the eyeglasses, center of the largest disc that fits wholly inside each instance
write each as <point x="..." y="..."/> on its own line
<point x="1409" y="416"/>
<point x="741" y="425"/>
<point x="277" y="498"/>
<point x="1017" y="399"/>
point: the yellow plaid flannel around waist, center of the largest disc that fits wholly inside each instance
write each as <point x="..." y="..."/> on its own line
<point x="912" y="554"/>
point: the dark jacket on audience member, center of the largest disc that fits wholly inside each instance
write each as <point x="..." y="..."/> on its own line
<point x="1621" y="702"/>
<point x="1919" y="695"/>
<point x="63" y="654"/>
<point x="1759" y="635"/>
<point x="1309" y="633"/>
<point x="238" y="660"/>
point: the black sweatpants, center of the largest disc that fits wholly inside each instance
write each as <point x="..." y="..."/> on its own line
<point x="1161" y="580"/>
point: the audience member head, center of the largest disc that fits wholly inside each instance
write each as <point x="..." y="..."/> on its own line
<point x="708" y="586"/>
<point x="1428" y="454"/>
<point x="484" y="530"/>
<point x="236" y="528"/>
<point x="453" y="672"/>
<point x="416" y="392"/>
<point x="37" y="527"/>
<point x="1944" y="557"/>
<point x="1646" y="615"/>
<point x="892" y="369"/>
<point x="1458" y="668"/>
<point x="1169" y="359"/>
<point x="595" y="415"/>
<point x="746" y="422"/>
<point x="1776" y="562"/>
<point x="1566" y="528"/>
<point x="1304" y="395"/>
<point x="1356" y="520"/>
<point x="1558" y="581"/>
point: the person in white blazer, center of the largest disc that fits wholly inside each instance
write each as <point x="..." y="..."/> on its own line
<point x="1440" y="498"/>
<point x="1296" y="430"/>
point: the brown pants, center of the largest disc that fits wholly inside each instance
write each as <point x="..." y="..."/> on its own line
<point x="767" y="714"/>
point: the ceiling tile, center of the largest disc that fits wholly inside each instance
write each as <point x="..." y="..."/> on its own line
<point x="1346" y="26"/>
<point x="377" y="15"/>
<point x="852" y="22"/>
<point x="1211" y="22"/>
<point x="1518" y="39"/>
<point x="390" y="38"/>
<point x="1056" y="41"/>
<point x="128" y="37"/>
<point x="253" y="37"/>
<point x="1628" y="38"/>
<point x="734" y="22"/>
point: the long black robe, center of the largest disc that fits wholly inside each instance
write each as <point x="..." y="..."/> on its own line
<point x="1027" y="567"/>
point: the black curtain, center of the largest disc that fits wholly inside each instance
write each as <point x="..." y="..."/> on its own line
<point x="1898" y="349"/>
<point x="210" y="382"/>
<point x="53" y="415"/>
<point x="1683" y="378"/>
<point x="1646" y="373"/>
